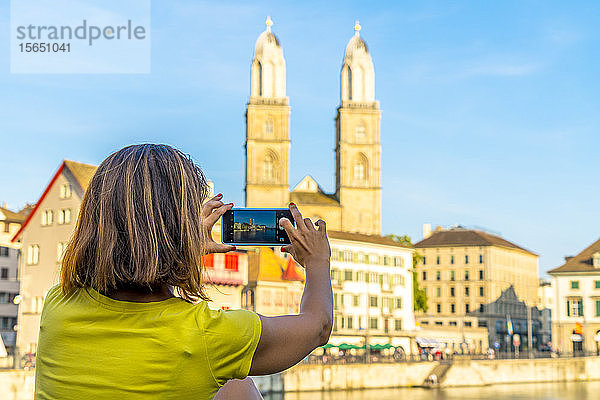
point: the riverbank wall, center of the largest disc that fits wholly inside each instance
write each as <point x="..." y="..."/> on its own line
<point x="458" y="373"/>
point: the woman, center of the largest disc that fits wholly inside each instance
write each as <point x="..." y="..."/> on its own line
<point x="130" y="320"/>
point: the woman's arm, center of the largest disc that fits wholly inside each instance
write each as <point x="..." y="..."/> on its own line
<point x="286" y="340"/>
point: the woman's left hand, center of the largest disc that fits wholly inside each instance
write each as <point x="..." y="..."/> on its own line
<point x="212" y="210"/>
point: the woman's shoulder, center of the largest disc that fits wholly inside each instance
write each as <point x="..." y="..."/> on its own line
<point x="210" y="319"/>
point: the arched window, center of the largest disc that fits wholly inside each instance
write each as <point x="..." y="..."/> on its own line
<point x="260" y="79"/>
<point x="269" y="168"/>
<point x="360" y="133"/>
<point x="269" y="127"/>
<point x="349" y="83"/>
<point x="359" y="169"/>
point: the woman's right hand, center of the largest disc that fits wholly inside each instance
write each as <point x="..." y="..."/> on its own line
<point x="308" y="245"/>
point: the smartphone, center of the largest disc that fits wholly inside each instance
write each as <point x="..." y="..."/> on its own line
<point x="255" y="227"/>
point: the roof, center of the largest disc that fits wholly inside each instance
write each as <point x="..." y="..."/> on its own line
<point x="292" y="272"/>
<point x="582" y="262"/>
<point x="356" y="43"/>
<point x="306" y="198"/>
<point x="267" y="266"/>
<point x="361" y="237"/>
<point x="81" y="172"/>
<point x="16" y="217"/>
<point x="467" y="237"/>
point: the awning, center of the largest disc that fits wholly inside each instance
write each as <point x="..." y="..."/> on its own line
<point x="427" y="342"/>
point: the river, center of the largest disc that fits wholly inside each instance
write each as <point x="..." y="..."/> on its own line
<point x="538" y="391"/>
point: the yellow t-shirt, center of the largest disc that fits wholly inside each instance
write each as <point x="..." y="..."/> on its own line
<point x="94" y="347"/>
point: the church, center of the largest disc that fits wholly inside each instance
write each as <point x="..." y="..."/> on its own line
<point x="356" y="204"/>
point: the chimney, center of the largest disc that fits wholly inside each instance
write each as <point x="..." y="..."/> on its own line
<point x="567" y="258"/>
<point x="4" y="205"/>
<point x="426" y="230"/>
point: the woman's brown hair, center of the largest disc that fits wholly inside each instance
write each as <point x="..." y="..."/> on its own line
<point x="140" y="224"/>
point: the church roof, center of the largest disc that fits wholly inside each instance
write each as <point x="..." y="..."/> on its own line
<point x="356" y="45"/>
<point x="466" y="237"/>
<point x="308" y="191"/>
<point x="361" y="237"/>
<point x="266" y="40"/>
<point x="582" y="262"/>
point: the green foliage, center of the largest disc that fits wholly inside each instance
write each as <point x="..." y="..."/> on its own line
<point x="419" y="295"/>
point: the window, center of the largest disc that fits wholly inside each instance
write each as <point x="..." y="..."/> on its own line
<point x="467" y="308"/>
<point x="3" y="251"/>
<point x="347" y="275"/>
<point x="350" y="322"/>
<point x="466" y="275"/>
<point x="466" y="259"/>
<point x="452" y="275"/>
<point x="452" y="308"/>
<point x="373" y="323"/>
<point x="438" y="308"/>
<point x="60" y="250"/>
<point x="482" y="324"/>
<point x="574" y="284"/>
<point x="4" y="298"/>
<point x="209" y="261"/>
<point x="596" y="260"/>
<point x="6" y="227"/>
<point x="481" y="259"/>
<point x="437" y="260"/>
<point x="424" y="260"/>
<point x="424" y="322"/>
<point x="399" y="303"/>
<point x="359" y="170"/>
<point x="575" y="307"/>
<point x="4" y="273"/>
<point x="269" y="127"/>
<point x="398" y="324"/>
<point x="231" y="262"/>
<point x="467" y="291"/>
<point x="268" y="168"/>
<point x="347" y="256"/>
<point x="64" y="216"/>
<point x="481" y="291"/>
<point x="438" y="292"/>
<point x="65" y="191"/>
<point x="424" y="274"/>
<point x="597" y="308"/>
<point x="47" y="217"/>
<point x="360" y="276"/>
<point x="438" y="275"/>
<point x="481" y="308"/>
<point x="452" y="259"/>
<point x="468" y="324"/>
<point x="33" y="254"/>
<point x="355" y="301"/>
<point x="439" y="323"/>
<point x="452" y="292"/>
<point x="373" y="301"/>
<point x="596" y="284"/>
<point x="452" y="323"/>
<point x="480" y="274"/>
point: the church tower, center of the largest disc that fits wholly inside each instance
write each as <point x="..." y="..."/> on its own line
<point x="358" y="149"/>
<point x="267" y="126"/>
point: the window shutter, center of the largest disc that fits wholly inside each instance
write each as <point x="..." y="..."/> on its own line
<point x="568" y="309"/>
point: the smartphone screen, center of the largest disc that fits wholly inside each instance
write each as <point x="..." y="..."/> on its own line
<point x="255" y="226"/>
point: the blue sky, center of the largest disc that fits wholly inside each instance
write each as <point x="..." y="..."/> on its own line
<point x="490" y="109"/>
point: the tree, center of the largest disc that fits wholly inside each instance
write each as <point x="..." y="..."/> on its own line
<point x="419" y="295"/>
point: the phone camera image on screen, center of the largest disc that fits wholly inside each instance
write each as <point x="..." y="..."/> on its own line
<point x="255" y="226"/>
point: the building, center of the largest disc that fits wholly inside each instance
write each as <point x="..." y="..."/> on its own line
<point x="576" y="307"/>
<point x="356" y="204"/>
<point x="507" y="316"/>
<point x="463" y="270"/>
<point x="44" y="236"/>
<point x="10" y="222"/>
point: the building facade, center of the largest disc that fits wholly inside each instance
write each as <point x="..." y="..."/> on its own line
<point x="10" y="223"/>
<point x="576" y="308"/>
<point x="463" y="270"/>
<point x="356" y="204"/>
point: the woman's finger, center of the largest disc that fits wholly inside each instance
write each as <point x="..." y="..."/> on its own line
<point x="212" y="218"/>
<point x="297" y="217"/>
<point x="322" y="226"/>
<point x="211" y="204"/>
<point x="293" y="234"/>
<point x="309" y="224"/>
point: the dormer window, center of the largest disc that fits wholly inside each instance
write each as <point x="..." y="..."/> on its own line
<point x="596" y="259"/>
<point x="65" y="191"/>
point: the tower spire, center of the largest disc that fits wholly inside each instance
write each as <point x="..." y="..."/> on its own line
<point x="357" y="28"/>
<point x="269" y="23"/>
